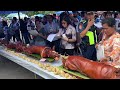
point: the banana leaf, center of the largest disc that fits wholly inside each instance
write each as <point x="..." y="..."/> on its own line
<point x="75" y="73"/>
<point x="37" y="56"/>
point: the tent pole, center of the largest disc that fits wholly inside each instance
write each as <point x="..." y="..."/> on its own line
<point x="19" y="14"/>
<point x="19" y="24"/>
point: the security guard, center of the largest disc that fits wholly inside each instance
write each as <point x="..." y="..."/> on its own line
<point x="88" y="35"/>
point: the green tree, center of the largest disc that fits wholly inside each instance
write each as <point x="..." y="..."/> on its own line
<point x="31" y="13"/>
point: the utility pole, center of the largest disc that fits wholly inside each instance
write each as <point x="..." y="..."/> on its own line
<point x="19" y="24"/>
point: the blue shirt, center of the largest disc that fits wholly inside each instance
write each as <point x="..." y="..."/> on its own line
<point x="51" y="28"/>
<point x="6" y="30"/>
<point x="79" y="18"/>
<point x="1" y="27"/>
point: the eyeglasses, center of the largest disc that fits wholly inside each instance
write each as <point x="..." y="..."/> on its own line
<point x="105" y="29"/>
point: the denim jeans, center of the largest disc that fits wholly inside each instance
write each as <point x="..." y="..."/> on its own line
<point x="26" y="37"/>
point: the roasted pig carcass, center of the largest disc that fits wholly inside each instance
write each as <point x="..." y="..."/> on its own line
<point x="20" y="47"/>
<point x="11" y="46"/>
<point x="43" y="51"/>
<point x="3" y="41"/>
<point x="92" y="69"/>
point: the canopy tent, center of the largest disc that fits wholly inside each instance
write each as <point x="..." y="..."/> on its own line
<point x="10" y="16"/>
<point x="39" y="15"/>
<point x="9" y="12"/>
<point x="59" y="12"/>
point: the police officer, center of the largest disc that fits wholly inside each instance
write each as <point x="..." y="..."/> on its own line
<point x="88" y="35"/>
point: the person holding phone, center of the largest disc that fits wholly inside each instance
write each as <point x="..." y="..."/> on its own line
<point x="88" y="35"/>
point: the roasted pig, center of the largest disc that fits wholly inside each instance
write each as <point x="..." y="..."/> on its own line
<point x="92" y="69"/>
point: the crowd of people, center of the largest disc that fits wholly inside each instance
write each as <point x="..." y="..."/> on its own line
<point x="77" y="33"/>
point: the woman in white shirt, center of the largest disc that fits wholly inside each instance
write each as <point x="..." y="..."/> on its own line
<point x="68" y="37"/>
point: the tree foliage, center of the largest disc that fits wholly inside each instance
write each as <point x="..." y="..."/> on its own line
<point x="31" y="13"/>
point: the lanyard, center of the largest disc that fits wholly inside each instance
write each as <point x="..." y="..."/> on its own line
<point x="64" y="31"/>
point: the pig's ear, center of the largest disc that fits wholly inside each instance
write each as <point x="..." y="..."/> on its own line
<point x="64" y="57"/>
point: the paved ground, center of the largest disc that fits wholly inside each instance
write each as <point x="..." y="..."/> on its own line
<point x="11" y="70"/>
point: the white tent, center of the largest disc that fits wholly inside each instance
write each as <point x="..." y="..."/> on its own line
<point x="10" y="16"/>
<point x="39" y="15"/>
<point x="59" y="12"/>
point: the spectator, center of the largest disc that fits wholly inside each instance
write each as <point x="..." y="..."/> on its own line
<point x="88" y="34"/>
<point x="75" y="18"/>
<point x="55" y="20"/>
<point x="15" y="29"/>
<point x="44" y="20"/>
<point x="83" y="15"/>
<point x="26" y="22"/>
<point x="97" y="19"/>
<point x="1" y="29"/>
<point x="52" y="28"/>
<point x="108" y="14"/>
<point x="24" y="31"/>
<point x="68" y="36"/>
<point x="31" y="26"/>
<point x="83" y="19"/>
<point x="12" y="32"/>
<point x="111" y="43"/>
<point x="38" y="23"/>
<point x="40" y="40"/>
<point x="32" y="19"/>
<point x="62" y="15"/>
<point x="117" y="18"/>
<point x="6" y="31"/>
